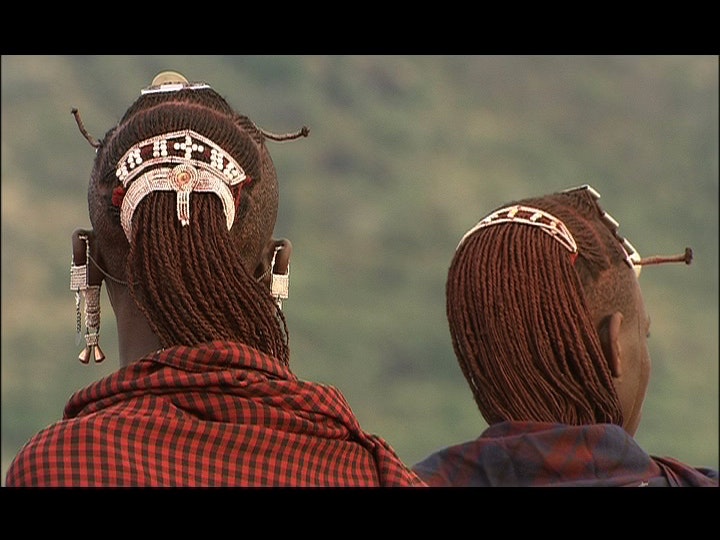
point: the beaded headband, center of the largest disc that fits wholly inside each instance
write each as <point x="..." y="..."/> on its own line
<point x="199" y="165"/>
<point x="529" y="216"/>
<point x="557" y="229"/>
<point x="632" y="257"/>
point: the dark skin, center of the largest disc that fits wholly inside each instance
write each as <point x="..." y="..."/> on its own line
<point x="624" y="341"/>
<point x="135" y="337"/>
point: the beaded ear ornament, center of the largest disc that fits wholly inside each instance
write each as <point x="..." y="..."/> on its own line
<point x="279" y="283"/>
<point x="91" y="294"/>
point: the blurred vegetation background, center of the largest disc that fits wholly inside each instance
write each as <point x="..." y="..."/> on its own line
<point x="405" y="154"/>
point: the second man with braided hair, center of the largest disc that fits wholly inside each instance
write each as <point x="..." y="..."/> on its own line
<point x="549" y="328"/>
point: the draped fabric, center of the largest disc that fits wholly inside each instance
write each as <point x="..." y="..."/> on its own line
<point x="218" y="414"/>
<point x="525" y="454"/>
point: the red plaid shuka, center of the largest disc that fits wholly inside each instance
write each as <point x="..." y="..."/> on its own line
<point x="218" y="414"/>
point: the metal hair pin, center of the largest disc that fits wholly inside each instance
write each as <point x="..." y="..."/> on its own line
<point x="686" y="257"/>
<point x="171" y="81"/>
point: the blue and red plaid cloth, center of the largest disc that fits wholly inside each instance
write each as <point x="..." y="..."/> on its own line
<point x="525" y="454"/>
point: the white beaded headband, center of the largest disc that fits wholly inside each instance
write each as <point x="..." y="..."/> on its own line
<point x="528" y="216"/>
<point x="199" y="165"/>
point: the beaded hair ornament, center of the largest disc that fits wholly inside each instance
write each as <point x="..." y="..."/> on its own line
<point x="529" y="216"/>
<point x="551" y="225"/>
<point x="183" y="161"/>
<point x="188" y="162"/>
<point x="193" y="163"/>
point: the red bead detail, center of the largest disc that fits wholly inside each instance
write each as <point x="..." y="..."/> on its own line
<point x="117" y="196"/>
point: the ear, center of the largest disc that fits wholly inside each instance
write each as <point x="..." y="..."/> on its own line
<point x="279" y="249"/>
<point x="283" y="250"/>
<point x="609" y="331"/>
<point x="83" y="242"/>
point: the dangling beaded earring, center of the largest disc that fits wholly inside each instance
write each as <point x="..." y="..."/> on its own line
<point x="91" y="293"/>
<point x="279" y="283"/>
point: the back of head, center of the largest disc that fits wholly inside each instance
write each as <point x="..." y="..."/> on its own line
<point x="524" y="300"/>
<point x="189" y="256"/>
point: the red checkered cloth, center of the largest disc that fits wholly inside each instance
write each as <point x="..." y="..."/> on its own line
<point x="218" y="414"/>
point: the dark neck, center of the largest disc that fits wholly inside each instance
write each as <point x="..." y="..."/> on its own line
<point x="135" y="337"/>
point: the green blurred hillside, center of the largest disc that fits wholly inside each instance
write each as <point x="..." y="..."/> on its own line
<point x="405" y="154"/>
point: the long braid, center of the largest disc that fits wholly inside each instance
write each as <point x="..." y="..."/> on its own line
<point x="194" y="284"/>
<point x="520" y="323"/>
<point x="199" y="300"/>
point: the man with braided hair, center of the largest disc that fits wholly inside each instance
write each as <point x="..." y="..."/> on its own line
<point x="549" y="328"/>
<point x="183" y="198"/>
